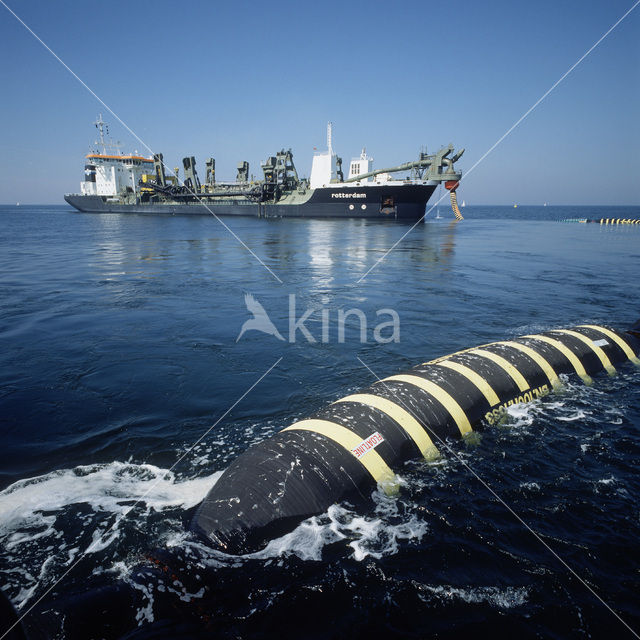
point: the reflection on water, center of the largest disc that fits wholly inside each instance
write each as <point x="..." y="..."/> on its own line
<point x="319" y="254"/>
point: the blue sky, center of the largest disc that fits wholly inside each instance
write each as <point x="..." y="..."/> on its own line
<point x="242" y="80"/>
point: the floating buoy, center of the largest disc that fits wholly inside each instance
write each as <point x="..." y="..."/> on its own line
<point x="346" y="449"/>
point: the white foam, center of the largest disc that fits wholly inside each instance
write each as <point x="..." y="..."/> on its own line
<point x="98" y="498"/>
<point x="502" y="598"/>
<point x="113" y="488"/>
<point x="573" y="402"/>
<point x="366" y="535"/>
<point x="521" y="415"/>
<point x="578" y="415"/>
<point x="361" y="536"/>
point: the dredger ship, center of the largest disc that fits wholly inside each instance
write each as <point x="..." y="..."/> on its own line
<point x="119" y="183"/>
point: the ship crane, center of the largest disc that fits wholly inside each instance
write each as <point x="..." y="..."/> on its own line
<point x="429" y="167"/>
<point x="436" y="167"/>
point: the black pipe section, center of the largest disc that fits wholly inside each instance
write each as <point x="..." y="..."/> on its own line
<point x="179" y="192"/>
<point x="10" y="626"/>
<point x="345" y="449"/>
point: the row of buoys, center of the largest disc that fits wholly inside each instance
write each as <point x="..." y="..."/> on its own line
<point x="347" y="448"/>
<point x="603" y="220"/>
<point x="617" y="221"/>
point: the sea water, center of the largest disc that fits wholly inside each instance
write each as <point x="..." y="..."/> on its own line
<point x="125" y="392"/>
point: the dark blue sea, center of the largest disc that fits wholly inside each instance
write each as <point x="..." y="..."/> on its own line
<point x="125" y="392"/>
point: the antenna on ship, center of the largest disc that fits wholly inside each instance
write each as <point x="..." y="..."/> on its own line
<point x="103" y="129"/>
<point x="329" y="135"/>
<point x="100" y="124"/>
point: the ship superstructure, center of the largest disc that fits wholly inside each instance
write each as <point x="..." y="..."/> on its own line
<point x="109" y="176"/>
<point x="119" y="183"/>
<point x="108" y="173"/>
<point x="364" y="164"/>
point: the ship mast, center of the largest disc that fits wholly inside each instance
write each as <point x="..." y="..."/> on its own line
<point x="100" y="126"/>
<point x="105" y="142"/>
<point x="329" y="135"/>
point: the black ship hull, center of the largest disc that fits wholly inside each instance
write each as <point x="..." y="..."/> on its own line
<point x="406" y="202"/>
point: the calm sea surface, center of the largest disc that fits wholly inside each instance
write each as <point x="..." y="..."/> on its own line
<point x="118" y="352"/>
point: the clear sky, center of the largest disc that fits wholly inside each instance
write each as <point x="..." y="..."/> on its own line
<point x="238" y="80"/>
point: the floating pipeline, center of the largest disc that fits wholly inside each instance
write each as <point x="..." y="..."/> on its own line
<point x="339" y="453"/>
<point x="10" y="626"/>
<point x="604" y="221"/>
<point x="343" y="451"/>
<point x="451" y="186"/>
